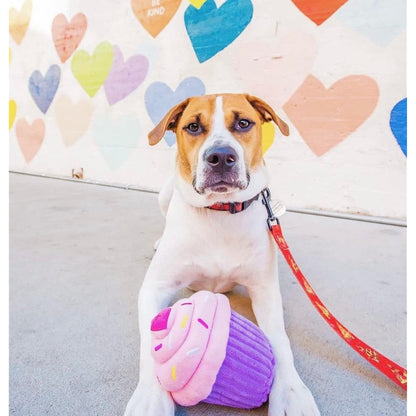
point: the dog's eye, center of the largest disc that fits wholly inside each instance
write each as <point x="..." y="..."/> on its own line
<point x="193" y="128"/>
<point x="243" y="124"/>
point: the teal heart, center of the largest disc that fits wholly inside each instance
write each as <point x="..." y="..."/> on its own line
<point x="212" y="29"/>
<point x="116" y="138"/>
<point x="379" y="20"/>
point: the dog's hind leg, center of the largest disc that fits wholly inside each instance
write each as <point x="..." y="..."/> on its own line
<point x="165" y="195"/>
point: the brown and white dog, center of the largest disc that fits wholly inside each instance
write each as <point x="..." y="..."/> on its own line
<point x="219" y="160"/>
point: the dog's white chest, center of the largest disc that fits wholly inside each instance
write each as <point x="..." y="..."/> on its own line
<point x="217" y="249"/>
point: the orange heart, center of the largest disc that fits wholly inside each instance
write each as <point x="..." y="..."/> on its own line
<point x="67" y="36"/>
<point x="325" y="117"/>
<point x="318" y="10"/>
<point x="30" y="137"/>
<point x="154" y="15"/>
<point x="19" y="21"/>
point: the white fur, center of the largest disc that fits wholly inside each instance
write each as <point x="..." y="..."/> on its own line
<point x="215" y="250"/>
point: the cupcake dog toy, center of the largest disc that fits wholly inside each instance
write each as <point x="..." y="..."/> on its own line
<point x="206" y="352"/>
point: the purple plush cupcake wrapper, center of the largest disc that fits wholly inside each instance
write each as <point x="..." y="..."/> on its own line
<point x="246" y="375"/>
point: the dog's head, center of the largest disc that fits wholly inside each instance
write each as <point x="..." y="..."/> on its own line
<point x="219" y="140"/>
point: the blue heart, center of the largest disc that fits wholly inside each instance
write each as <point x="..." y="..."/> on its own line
<point x="379" y="20"/>
<point x="43" y="89"/>
<point x="116" y="138"/>
<point x="211" y="29"/>
<point x="159" y="99"/>
<point x="398" y="124"/>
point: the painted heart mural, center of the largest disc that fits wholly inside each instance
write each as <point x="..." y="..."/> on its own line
<point x="380" y="20"/>
<point x="325" y="117"/>
<point x="66" y="35"/>
<point x="267" y="133"/>
<point x="72" y="118"/>
<point x="124" y="77"/>
<point x="43" y="88"/>
<point x="318" y="10"/>
<point x="154" y="15"/>
<point x="212" y="29"/>
<point x="19" y="21"/>
<point x="197" y="3"/>
<point x="92" y="70"/>
<point x="116" y="138"/>
<point x="30" y="137"/>
<point x="398" y="124"/>
<point x="12" y="112"/>
<point x="160" y="98"/>
<point x="283" y="63"/>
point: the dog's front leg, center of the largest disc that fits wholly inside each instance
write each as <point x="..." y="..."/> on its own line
<point x="289" y="396"/>
<point x="157" y="291"/>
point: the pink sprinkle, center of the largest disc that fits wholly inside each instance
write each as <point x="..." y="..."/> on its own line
<point x="186" y="303"/>
<point x="203" y="323"/>
<point x="158" y="347"/>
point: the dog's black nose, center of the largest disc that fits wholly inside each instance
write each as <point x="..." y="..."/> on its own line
<point x="221" y="158"/>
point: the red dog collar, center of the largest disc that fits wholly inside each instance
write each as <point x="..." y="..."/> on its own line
<point x="234" y="207"/>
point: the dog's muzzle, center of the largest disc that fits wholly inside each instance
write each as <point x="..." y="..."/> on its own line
<point x="222" y="171"/>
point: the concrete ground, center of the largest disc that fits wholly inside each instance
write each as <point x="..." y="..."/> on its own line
<point x="78" y="254"/>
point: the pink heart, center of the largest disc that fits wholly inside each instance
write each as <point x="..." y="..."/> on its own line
<point x="124" y="77"/>
<point x="325" y="117"/>
<point x="273" y="70"/>
<point x="67" y="36"/>
<point x="30" y="137"/>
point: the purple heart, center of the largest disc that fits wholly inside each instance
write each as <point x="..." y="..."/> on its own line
<point x="124" y="77"/>
<point x="159" y="99"/>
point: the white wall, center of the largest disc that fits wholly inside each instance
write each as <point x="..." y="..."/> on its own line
<point x="335" y="81"/>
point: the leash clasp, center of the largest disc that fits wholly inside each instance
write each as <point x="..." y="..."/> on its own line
<point x="265" y="194"/>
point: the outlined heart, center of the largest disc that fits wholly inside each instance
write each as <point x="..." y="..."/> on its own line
<point x="154" y="15"/>
<point x="67" y="36"/>
<point x="159" y="99"/>
<point x="72" y="118"/>
<point x="325" y="117"/>
<point x="116" y="138"/>
<point x="398" y="124"/>
<point x="12" y="112"/>
<point x="43" y="89"/>
<point x="318" y="10"/>
<point x="212" y="29"/>
<point x="124" y="77"/>
<point x="381" y="20"/>
<point x="19" y="21"/>
<point x="92" y="70"/>
<point x="30" y="137"/>
<point x="283" y="63"/>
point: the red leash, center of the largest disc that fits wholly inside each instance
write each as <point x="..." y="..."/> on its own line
<point x="389" y="368"/>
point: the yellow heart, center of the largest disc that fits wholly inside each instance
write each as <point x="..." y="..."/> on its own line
<point x="19" y="21"/>
<point x="267" y="134"/>
<point x="197" y="3"/>
<point x="12" y="112"/>
<point x="92" y="71"/>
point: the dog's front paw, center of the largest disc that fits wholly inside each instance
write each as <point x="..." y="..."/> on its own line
<point x="148" y="401"/>
<point x="291" y="398"/>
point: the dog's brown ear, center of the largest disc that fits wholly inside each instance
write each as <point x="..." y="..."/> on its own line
<point x="168" y="122"/>
<point x="267" y="113"/>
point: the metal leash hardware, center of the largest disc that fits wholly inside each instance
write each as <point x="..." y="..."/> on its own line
<point x="265" y="194"/>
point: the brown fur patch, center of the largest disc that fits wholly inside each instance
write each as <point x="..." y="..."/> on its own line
<point x="201" y="109"/>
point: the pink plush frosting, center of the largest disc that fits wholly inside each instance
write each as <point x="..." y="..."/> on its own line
<point x="189" y="342"/>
